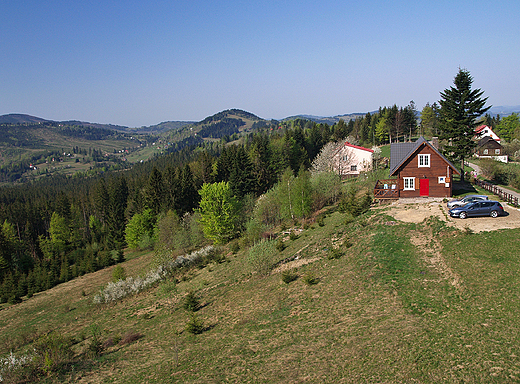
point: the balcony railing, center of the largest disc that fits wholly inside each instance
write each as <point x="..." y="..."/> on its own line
<point x="386" y="189"/>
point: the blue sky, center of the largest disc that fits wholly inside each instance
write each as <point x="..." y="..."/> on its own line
<point x="138" y="63"/>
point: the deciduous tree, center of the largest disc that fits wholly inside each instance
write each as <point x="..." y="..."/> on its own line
<point x="219" y="212"/>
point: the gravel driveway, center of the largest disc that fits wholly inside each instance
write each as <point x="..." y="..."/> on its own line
<point x="416" y="210"/>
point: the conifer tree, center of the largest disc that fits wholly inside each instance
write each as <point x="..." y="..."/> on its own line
<point x="241" y="180"/>
<point x="460" y="108"/>
<point x="189" y="197"/>
<point x="154" y="191"/>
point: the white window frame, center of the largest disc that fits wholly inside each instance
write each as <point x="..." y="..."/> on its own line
<point x="409" y="183"/>
<point x="485" y="151"/>
<point x="497" y="151"/>
<point x="442" y="179"/>
<point x="424" y="160"/>
<point x="353" y="168"/>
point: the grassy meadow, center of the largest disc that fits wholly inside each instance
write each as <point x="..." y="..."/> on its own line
<point x="372" y="300"/>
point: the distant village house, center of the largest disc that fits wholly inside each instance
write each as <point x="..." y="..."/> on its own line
<point x="350" y="160"/>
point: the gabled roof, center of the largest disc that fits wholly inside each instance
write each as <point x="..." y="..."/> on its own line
<point x="347" y="144"/>
<point x="480" y="128"/>
<point x="479" y="133"/>
<point x="400" y="152"/>
<point x="485" y="140"/>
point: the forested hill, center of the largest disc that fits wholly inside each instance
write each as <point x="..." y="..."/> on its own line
<point x="227" y="125"/>
<point x="17" y="118"/>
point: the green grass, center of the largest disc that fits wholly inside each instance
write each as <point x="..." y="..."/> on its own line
<point x="404" y="303"/>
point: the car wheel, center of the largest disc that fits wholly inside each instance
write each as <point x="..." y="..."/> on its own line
<point x="463" y="215"/>
<point x="494" y="214"/>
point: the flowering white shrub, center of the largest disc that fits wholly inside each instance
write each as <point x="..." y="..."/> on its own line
<point x="130" y="286"/>
<point x="13" y="362"/>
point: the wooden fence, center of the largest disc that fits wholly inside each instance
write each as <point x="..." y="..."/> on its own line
<point x="504" y="195"/>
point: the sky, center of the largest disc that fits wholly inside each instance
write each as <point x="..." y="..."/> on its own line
<point x="138" y="63"/>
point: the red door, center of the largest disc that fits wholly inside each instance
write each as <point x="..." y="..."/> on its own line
<point x="424" y="187"/>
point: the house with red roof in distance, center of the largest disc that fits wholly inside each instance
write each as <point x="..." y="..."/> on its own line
<point x="484" y="130"/>
<point x="350" y="160"/>
<point x="488" y="148"/>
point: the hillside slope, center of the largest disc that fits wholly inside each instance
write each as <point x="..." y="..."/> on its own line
<point x="375" y="300"/>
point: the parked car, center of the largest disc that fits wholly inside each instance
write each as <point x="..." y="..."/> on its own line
<point x="465" y="200"/>
<point x="478" y="208"/>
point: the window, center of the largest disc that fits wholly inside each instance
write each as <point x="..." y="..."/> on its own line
<point x="442" y="179"/>
<point x="409" y="183"/>
<point x="485" y="151"/>
<point x="497" y="151"/>
<point x="353" y="167"/>
<point x="424" y="161"/>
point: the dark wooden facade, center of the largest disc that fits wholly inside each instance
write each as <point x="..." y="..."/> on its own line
<point x="421" y="171"/>
<point x="433" y="181"/>
<point x="487" y="146"/>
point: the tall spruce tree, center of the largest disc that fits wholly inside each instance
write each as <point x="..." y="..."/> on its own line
<point x="460" y="108"/>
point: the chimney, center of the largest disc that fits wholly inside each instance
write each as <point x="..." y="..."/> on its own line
<point x="435" y="142"/>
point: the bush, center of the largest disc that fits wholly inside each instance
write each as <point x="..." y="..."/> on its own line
<point x="310" y="279"/>
<point x="280" y="245"/>
<point x="122" y="288"/>
<point x="254" y="230"/>
<point x="334" y="253"/>
<point x="191" y="302"/>
<point x="353" y="204"/>
<point x="167" y="287"/>
<point x="130" y="337"/>
<point x="53" y="351"/>
<point x="95" y="347"/>
<point x="118" y="273"/>
<point x="195" y="326"/>
<point x="234" y="247"/>
<point x="18" y="369"/>
<point x="289" y="275"/>
<point x="261" y="256"/>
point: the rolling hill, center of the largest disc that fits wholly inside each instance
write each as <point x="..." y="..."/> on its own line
<point x="368" y="300"/>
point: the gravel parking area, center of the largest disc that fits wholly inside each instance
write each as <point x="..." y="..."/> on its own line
<point x="416" y="210"/>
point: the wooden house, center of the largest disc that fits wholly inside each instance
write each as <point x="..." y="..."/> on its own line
<point x="421" y="171"/>
<point x="488" y="147"/>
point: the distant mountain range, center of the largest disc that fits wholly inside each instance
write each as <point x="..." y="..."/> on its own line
<point x="16" y="118"/>
<point x="504" y="110"/>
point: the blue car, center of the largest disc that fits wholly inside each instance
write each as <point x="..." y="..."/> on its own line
<point x="478" y="208"/>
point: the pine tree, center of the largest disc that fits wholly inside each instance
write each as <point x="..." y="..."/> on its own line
<point x="154" y="191"/>
<point x="118" y="196"/>
<point x="241" y="179"/>
<point x="460" y="108"/>
<point x="189" y="197"/>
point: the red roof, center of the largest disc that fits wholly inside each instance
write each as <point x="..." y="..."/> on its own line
<point x="480" y="128"/>
<point x="358" y="147"/>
